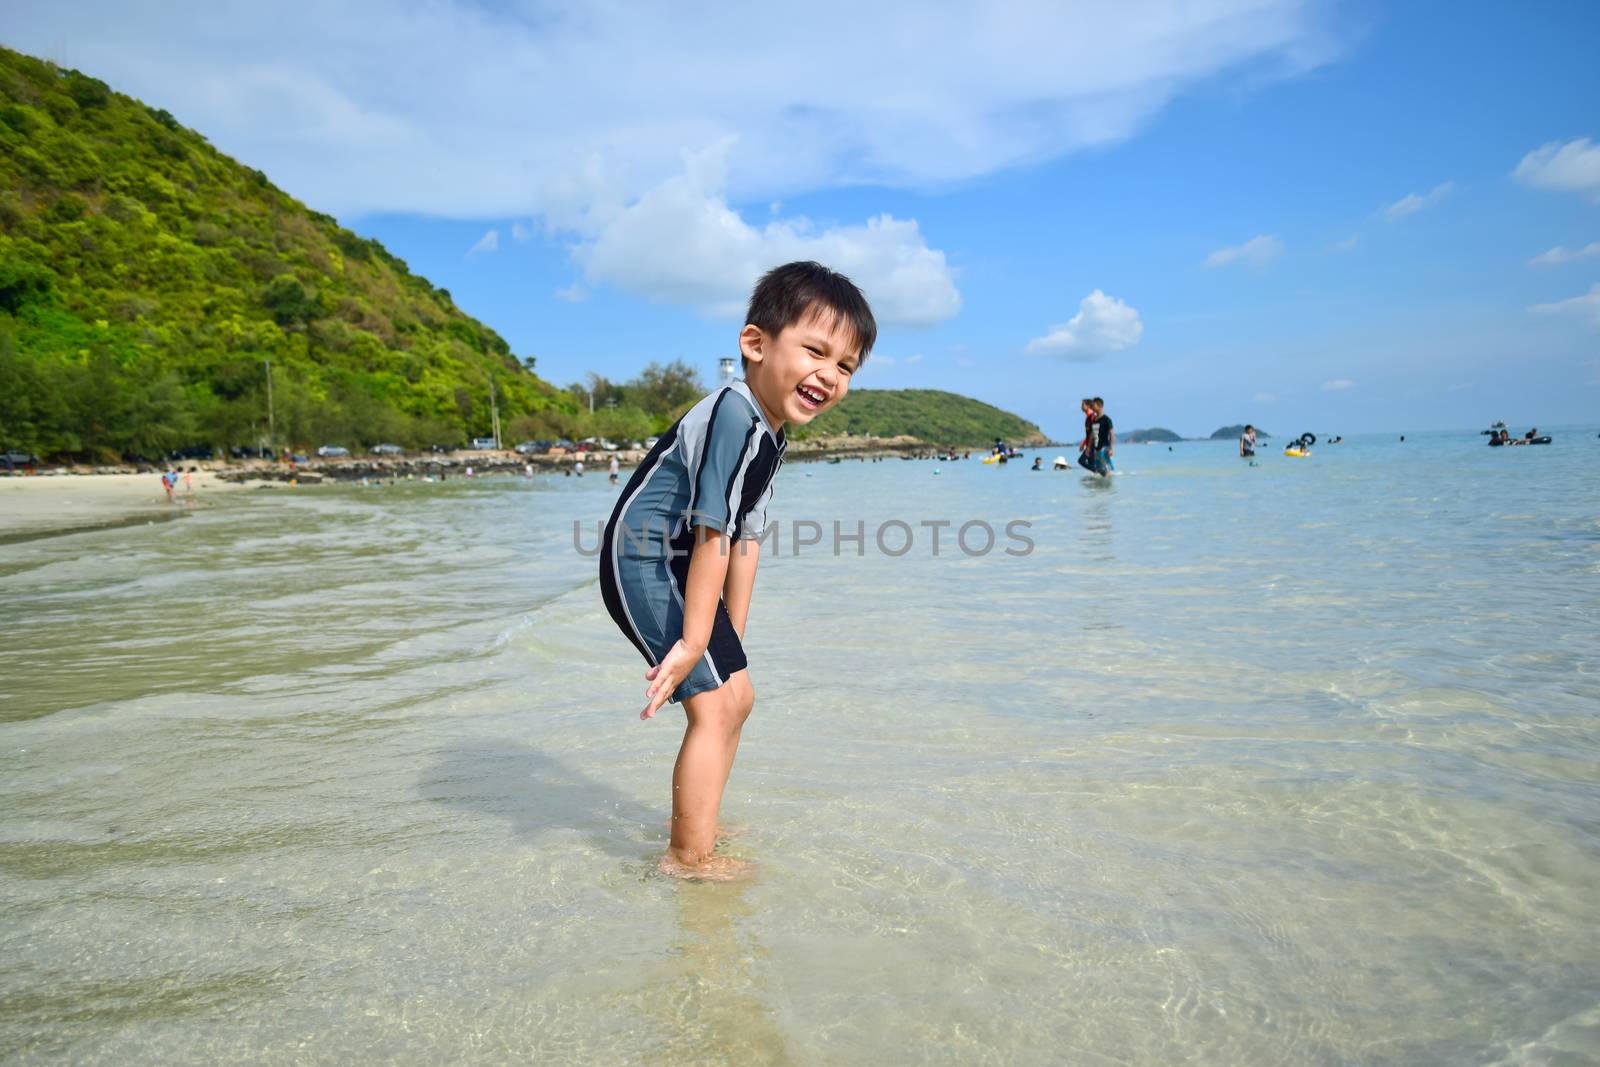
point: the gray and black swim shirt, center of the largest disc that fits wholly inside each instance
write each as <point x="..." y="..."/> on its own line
<point x="713" y="468"/>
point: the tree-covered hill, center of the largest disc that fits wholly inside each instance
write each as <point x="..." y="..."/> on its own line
<point x="1225" y="433"/>
<point x="146" y="280"/>
<point x="933" y="415"/>
<point x="1158" y="434"/>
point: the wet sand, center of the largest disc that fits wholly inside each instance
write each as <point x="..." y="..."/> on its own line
<point x="38" y="505"/>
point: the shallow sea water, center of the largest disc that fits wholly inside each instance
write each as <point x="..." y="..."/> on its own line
<point x="1294" y="763"/>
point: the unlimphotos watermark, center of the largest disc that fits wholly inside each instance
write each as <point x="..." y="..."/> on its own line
<point x="893" y="538"/>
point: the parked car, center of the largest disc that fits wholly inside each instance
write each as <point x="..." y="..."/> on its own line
<point x="650" y="442"/>
<point x="563" y="442"/>
<point x="194" y="452"/>
<point x="533" y="448"/>
<point x="483" y="443"/>
<point x="333" y="450"/>
<point x="251" y="452"/>
<point x="387" y="450"/>
<point x="441" y="448"/>
<point x="17" y="458"/>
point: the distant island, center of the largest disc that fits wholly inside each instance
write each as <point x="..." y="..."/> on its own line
<point x="1234" y="431"/>
<point x="1157" y="434"/>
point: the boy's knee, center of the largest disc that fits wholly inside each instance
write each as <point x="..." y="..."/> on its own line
<point x="744" y="697"/>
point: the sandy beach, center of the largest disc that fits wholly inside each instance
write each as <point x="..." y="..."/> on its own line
<point x="35" y="505"/>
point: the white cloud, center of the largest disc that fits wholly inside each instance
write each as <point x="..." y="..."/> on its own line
<point x="914" y="359"/>
<point x="487" y="244"/>
<point x="1573" y="167"/>
<point x="1102" y="325"/>
<point x="682" y="243"/>
<point x="1412" y="203"/>
<point x="1460" y="387"/>
<point x="1266" y="398"/>
<point x="464" y="109"/>
<point x="576" y="293"/>
<point x="1348" y="244"/>
<point x="1338" y="384"/>
<point x="1561" y="254"/>
<point x="1585" y="306"/>
<point x="1256" y="252"/>
<point x="521" y="232"/>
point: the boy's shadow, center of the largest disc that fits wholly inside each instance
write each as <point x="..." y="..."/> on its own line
<point x="539" y="794"/>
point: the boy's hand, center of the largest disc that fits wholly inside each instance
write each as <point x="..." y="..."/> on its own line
<point x="666" y="676"/>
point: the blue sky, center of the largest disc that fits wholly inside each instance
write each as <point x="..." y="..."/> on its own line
<point x="1306" y="215"/>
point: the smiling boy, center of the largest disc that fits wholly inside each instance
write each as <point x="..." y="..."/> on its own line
<point x="670" y="574"/>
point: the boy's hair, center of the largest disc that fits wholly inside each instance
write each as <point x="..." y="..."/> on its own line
<point x="786" y="294"/>
<point x="1099" y="405"/>
<point x="1086" y="403"/>
<point x="1248" y="427"/>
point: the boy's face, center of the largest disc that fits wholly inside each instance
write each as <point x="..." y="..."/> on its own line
<point x="803" y="371"/>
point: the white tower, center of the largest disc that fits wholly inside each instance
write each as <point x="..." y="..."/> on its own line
<point x="725" y="372"/>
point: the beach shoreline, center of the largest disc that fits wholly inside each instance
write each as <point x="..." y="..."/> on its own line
<point x="45" y="505"/>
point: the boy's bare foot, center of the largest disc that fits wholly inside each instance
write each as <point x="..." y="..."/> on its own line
<point x="714" y="869"/>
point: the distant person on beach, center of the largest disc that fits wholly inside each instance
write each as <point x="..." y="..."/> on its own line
<point x="616" y="467"/>
<point x="1247" y="442"/>
<point x="168" y="480"/>
<point x="679" y="556"/>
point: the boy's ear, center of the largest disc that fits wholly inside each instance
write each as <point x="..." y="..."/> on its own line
<point x="752" y="342"/>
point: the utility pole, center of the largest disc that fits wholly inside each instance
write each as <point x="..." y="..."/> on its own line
<point x="494" y="413"/>
<point x="272" y="423"/>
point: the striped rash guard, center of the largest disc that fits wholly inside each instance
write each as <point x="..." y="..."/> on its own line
<point x="714" y="468"/>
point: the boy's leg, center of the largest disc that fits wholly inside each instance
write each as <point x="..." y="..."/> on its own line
<point x="704" y="762"/>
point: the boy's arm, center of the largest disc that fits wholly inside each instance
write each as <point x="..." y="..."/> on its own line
<point x="708" y="568"/>
<point x="741" y="581"/>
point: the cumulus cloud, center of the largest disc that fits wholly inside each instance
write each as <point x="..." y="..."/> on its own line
<point x="1586" y="306"/>
<point x="1573" y="167"/>
<point x="1338" y="384"/>
<point x="1256" y="252"/>
<point x="682" y="243"/>
<point x="1266" y="398"/>
<point x="575" y="293"/>
<point x="1412" y="203"/>
<point x="521" y="232"/>
<point x="914" y="359"/>
<point x="1102" y="325"/>
<point x="464" y="109"/>
<point x="1348" y="244"/>
<point x="1561" y="254"/>
<point x="488" y="243"/>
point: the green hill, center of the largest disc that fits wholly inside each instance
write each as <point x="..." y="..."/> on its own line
<point x="1155" y="433"/>
<point x="1228" y="432"/>
<point x="146" y="279"/>
<point x="930" y="414"/>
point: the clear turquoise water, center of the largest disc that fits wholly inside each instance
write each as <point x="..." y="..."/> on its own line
<point x="1297" y="763"/>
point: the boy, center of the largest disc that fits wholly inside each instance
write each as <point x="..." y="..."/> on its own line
<point x="1247" y="442"/>
<point x="667" y="574"/>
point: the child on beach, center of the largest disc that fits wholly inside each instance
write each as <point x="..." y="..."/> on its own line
<point x="679" y="557"/>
